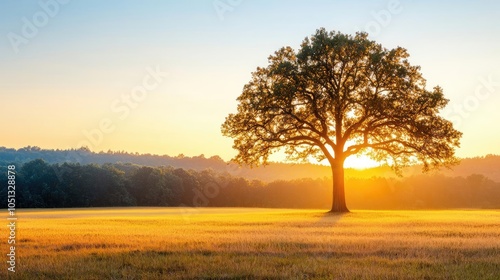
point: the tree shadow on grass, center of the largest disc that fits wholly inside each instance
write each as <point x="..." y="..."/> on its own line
<point x="332" y="218"/>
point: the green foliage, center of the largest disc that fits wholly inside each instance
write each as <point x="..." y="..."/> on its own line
<point x="156" y="187"/>
<point x="337" y="96"/>
<point x="43" y="185"/>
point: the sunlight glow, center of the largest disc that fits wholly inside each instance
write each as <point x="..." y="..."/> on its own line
<point x="360" y="162"/>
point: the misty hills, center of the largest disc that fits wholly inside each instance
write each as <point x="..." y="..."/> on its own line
<point x="488" y="166"/>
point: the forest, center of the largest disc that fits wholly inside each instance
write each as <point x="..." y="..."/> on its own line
<point x="489" y="165"/>
<point x="40" y="184"/>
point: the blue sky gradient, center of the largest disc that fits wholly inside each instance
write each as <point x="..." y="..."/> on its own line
<point x="63" y="81"/>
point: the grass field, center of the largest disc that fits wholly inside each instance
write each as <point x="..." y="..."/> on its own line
<point x="243" y="243"/>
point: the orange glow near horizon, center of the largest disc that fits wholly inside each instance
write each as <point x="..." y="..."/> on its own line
<point x="360" y="162"/>
<point x="130" y="84"/>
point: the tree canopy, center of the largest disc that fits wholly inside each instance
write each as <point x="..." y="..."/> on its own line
<point x="337" y="96"/>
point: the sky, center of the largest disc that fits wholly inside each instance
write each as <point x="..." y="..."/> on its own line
<point x="161" y="76"/>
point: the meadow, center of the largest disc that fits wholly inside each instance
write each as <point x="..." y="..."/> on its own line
<point x="253" y="243"/>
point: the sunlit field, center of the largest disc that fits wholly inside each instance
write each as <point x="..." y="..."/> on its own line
<point x="243" y="243"/>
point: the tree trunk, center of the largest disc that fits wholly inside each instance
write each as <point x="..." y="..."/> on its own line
<point x="338" y="205"/>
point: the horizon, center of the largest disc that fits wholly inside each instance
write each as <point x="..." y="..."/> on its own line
<point x="231" y="139"/>
<point x="161" y="78"/>
<point x="208" y="157"/>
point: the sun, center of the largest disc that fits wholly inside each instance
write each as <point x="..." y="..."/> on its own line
<point x="360" y="162"/>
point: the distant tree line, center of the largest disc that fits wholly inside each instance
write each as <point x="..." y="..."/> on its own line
<point x="83" y="155"/>
<point x="488" y="165"/>
<point x="43" y="185"/>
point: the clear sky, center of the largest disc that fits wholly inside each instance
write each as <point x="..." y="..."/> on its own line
<point x="93" y="72"/>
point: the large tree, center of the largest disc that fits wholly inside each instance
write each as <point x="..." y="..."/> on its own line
<point x="337" y="96"/>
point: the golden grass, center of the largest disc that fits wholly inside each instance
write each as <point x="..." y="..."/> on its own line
<point x="244" y="243"/>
